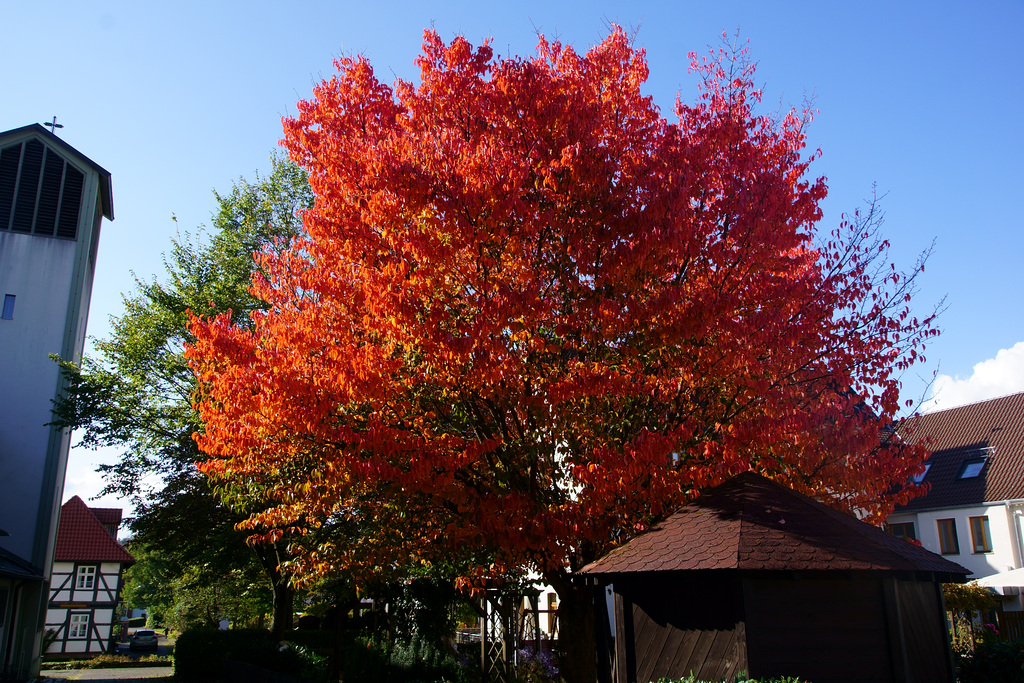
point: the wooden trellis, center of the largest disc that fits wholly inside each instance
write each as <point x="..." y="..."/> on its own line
<point x="508" y="622"/>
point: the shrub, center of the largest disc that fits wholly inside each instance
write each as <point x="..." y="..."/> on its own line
<point x="311" y="666"/>
<point x="993" y="660"/>
<point x="363" y="660"/>
<point x="302" y="661"/>
<point x="536" y="667"/>
<point x="206" y="653"/>
<point x="420" y="660"/>
<point x="417" y="661"/>
<point x="742" y="679"/>
<point x="319" y="641"/>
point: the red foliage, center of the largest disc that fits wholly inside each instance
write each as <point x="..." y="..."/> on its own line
<point x="530" y="315"/>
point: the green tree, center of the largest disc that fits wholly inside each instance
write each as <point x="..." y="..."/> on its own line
<point x="135" y="393"/>
<point x="147" y="583"/>
<point x="197" y="594"/>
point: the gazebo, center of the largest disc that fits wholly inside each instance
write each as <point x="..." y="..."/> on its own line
<point x="755" y="578"/>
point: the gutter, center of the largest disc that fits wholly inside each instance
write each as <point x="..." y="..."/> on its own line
<point x="1015" y="514"/>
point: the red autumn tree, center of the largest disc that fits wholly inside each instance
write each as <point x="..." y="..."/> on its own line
<point x="531" y="316"/>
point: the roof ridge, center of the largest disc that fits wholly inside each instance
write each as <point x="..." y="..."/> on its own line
<point x="1003" y="397"/>
<point x="753" y="523"/>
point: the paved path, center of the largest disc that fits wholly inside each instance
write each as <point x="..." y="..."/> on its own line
<point x="104" y="675"/>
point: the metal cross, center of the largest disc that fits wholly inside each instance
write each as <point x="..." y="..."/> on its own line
<point x="53" y="125"/>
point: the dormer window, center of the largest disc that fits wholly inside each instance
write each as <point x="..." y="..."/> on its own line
<point x="972" y="468"/>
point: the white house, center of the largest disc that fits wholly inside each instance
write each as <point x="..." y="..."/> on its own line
<point x="972" y="512"/>
<point x="85" y="586"/>
<point x="52" y="202"/>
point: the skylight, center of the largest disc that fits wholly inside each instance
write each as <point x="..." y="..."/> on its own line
<point x="918" y="478"/>
<point x="972" y="468"/>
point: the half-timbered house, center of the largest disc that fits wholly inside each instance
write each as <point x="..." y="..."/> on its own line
<point x="86" y="581"/>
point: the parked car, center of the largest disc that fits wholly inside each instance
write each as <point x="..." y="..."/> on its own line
<point x="142" y="639"/>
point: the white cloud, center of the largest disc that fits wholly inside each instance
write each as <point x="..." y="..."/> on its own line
<point x="991" y="378"/>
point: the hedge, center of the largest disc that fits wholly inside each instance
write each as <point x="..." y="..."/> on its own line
<point x="203" y="653"/>
<point x="993" y="660"/>
<point x="208" y="653"/>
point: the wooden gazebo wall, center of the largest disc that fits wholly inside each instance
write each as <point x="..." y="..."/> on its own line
<point x="821" y="626"/>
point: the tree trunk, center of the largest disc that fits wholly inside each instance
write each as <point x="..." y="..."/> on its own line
<point x="284" y="601"/>
<point x="577" y="661"/>
<point x="283" y="596"/>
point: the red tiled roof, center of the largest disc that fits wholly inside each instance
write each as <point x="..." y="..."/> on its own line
<point x="752" y="523"/>
<point x="992" y="429"/>
<point x="82" y="538"/>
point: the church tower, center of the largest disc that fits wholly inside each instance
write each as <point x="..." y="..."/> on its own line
<point x="52" y="202"/>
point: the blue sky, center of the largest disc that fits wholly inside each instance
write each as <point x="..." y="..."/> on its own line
<point x="924" y="99"/>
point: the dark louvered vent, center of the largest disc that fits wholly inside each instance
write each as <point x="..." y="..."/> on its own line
<point x="70" y="203"/>
<point x="40" y="192"/>
<point x="9" y="160"/>
<point x="28" y="187"/>
<point x="49" y="194"/>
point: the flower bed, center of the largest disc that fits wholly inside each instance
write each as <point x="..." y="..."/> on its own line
<point x="108" y="662"/>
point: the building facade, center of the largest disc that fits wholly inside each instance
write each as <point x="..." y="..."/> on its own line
<point x="85" y="585"/>
<point x="52" y="203"/>
<point x="973" y="509"/>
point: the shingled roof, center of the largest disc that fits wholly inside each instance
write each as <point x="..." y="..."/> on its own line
<point x="81" y="537"/>
<point x="752" y="523"/>
<point x="992" y="431"/>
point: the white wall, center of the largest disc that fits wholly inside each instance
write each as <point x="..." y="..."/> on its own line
<point x="1004" y="555"/>
<point x="38" y="271"/>
<point x="61" y="583"/>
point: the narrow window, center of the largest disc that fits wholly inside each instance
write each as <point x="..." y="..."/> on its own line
<point x="8" y="313"/>
<point x="948" y="543"/>
<point x="918" y="478"/>
<point x="86" y="578"/>
<point x="981" y="537"/>
<point x="79" y="626"/>
<point x="904" y="531"/>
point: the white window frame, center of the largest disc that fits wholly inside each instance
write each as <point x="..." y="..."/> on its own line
<point x="85" y="577"/>
<point x="78" y="626"/>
